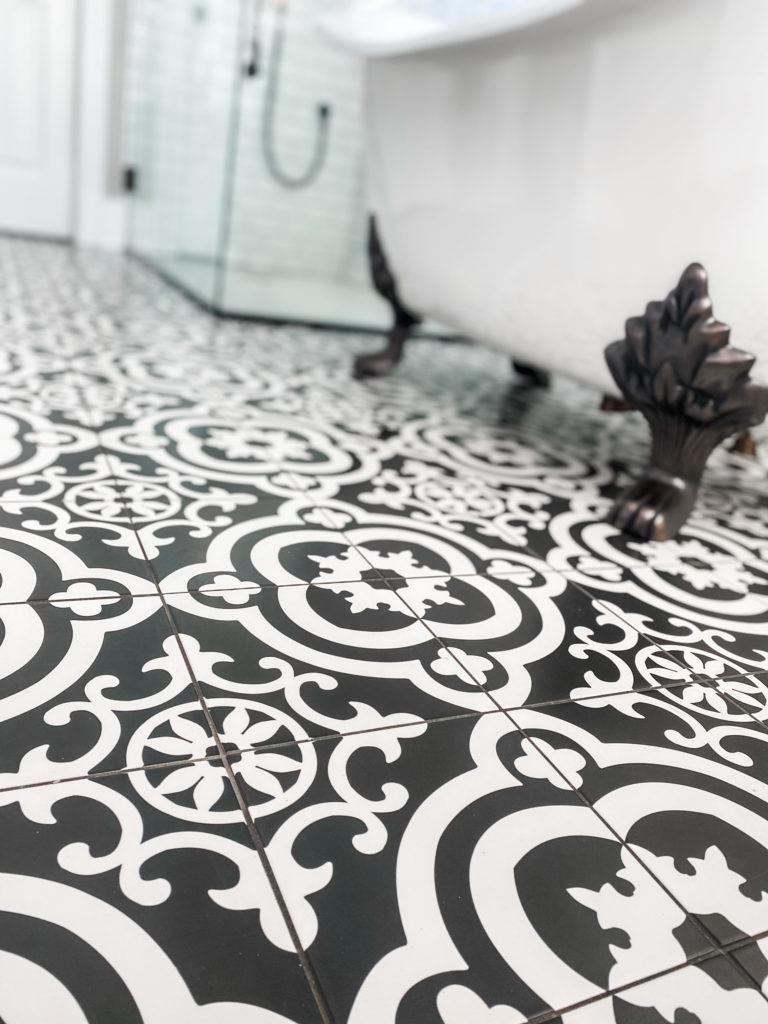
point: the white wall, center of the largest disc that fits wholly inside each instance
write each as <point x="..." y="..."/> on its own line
<point x="99" y="204"/>
<point x="37" y="57"/>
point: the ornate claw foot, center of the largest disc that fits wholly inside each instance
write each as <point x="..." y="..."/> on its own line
<point x="611" y="404"/>
<point x="532" y="375"/>
<point x="676" y="366"/>
<point x="745" y="444"/>
<point x="377" y="364"/>
<point x="656" y="506"/>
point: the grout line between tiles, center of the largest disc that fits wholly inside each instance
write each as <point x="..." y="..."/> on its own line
<point x="694" y="919"/>
<point x="109" y="773"/>
<point x="335" y="736"/>
<point x="308" y="969"/>
<point x="701" y="958"/>
<point x="309" y="972"/>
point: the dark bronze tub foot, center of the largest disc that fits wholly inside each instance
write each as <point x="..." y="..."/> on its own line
<point x="745" y="444"/>
<point x="676" y="366"/>
<point x="378" y="364"/>
<point x="656" y="506"/>
<point x="533" y="376"/>
<point x="611" y="404"/>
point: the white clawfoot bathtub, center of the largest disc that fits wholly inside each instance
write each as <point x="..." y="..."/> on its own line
<point x="539" y="174"/>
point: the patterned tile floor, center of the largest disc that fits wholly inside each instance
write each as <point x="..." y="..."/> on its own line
<point x="330" y="701"/>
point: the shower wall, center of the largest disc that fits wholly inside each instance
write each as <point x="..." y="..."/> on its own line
<point x="207" y="210"/>
<point x="182" y="81"/>
<point x="319" y="230"/>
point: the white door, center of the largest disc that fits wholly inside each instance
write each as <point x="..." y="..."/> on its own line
<point x="36" y="105"/>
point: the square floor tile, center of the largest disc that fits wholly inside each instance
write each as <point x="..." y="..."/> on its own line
<point x="127" y="899"/>
<point x="416" y="860"/>
<point x="90" y="685"/>
<point x="681" y="776"/>
<point x="309" y="661"/>
<point x="528" y="637"/>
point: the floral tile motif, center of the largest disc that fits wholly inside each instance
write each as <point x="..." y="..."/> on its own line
<point x="119" y="904"/>
<point x="283" y="664"/>
<point x="60" y="546"/>
<point x="40" y="457"/>
<point x="491" y="883"/>
<point x="709" y="618"/>
<point x="681" y="777"/>
<point x="242" y="446"/>
<point x="749" y="692"/>
<point x="93" y="684"/>
<point x="527" y="635"/>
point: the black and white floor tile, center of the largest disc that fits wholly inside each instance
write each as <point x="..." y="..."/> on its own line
<point x="328" y="702"/>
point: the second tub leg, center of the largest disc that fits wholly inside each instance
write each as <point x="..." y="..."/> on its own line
<point x="377" y="364"/>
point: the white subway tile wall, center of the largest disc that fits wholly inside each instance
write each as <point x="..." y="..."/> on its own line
<point x="319" y="230"/>
<point x="204" y="188"/>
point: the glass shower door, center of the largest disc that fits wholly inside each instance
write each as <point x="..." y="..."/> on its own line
<point x="184" y="77"/>
<point x="247" y="140"/>
<point x="296" y="246"/>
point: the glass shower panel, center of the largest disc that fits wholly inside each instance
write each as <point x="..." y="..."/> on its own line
<point x="183" y="78"/>
<point x="246" y="134"/>
<point x="298" y="223"/>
